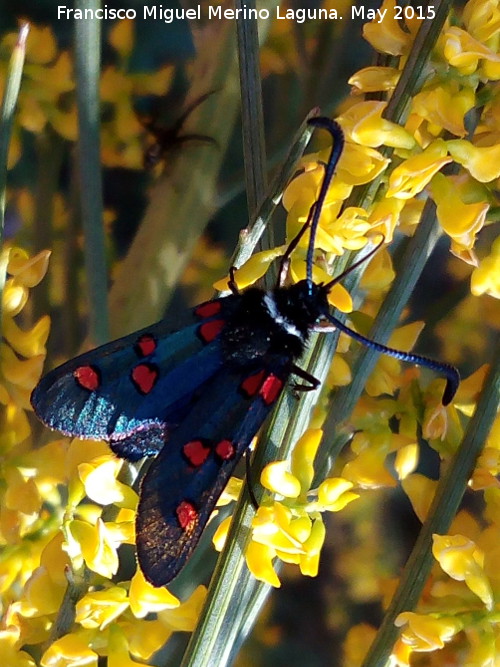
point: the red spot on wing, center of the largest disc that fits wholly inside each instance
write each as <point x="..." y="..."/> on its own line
<point x="145" y="376"/>
<point x="88" y="377"/>
<point x="210" y="330"/>
<point x="225" y="450"/>
<point x="146" y="344"/>
<point x="196" y="452"/>
<point x="208" y="309"/>
<point x="271" y="388"/>
<point x="187" y="515"/>
<point x="253" y="383"/>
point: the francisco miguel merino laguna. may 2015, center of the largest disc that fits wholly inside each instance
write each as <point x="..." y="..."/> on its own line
<point x="168" y="14"/>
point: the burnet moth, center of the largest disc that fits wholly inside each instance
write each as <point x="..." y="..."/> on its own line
<point x="195" y="397"/>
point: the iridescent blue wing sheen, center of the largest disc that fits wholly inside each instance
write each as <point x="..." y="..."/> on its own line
<point x="132" y="391"/>
<point x="182" y="485"/>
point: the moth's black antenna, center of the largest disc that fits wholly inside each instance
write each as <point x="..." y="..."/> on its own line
<point x="447" y="370"/>
<point x="356" y="264"/>
<point x="315" y="212"/>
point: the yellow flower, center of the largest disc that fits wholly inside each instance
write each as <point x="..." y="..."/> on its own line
<point x="368" y="469"/>
<point x="406" y="460"/>
<point x="424" y="632"/>
<point x="118" y="649"/>
<point x="464" y="52"/>
<point x="462" y="560"/>
<point x="146" y="599"/>
<point x="10" y="651"/>
<point x="357" y="642"/>
<point x="412" y="175"/>
<point x="99" y="608"/>
<point x="121" y="37"/>
<point x="361" y="164"/>
<point x="374" y="79"/>
<point x="387" y="36"/>
<point x="383" y="218"/>
<point x="386" y="377"/>
<point x="71" y="650"/>
<point x="420" y="491"/>
<point x="293" y="530"/>
<point x="334" y="493"/>
<point x="364" y="125"/>
<point x="444" y="108"/>
<point x="276" y="478"/>
<point x="460" y="221"/>
<point x="485" y="278"/>
<point x="481" y="18"/>
<point x="253" y="269"/>
<point x="303" y="455"/>
<point x="184" y="617"/>
<point x="94" y="545"/>
<point x="259" y="559"/>
<point x="101" y="485"/>
<point x="339" y="374"/>
<point x="482" y="162"/>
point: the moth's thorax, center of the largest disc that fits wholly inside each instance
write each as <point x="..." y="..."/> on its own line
<point x="276" y="323"/>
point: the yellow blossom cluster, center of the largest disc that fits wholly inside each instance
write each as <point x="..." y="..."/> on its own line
<point x="464" y="65"/>
<point x="48" y="79"/>
<point x="459" y="606"/>
<point x="291" y="529"/>
<point x="47" y="95"/>
<point x="59" y="551"/>
<point x="462" y="75"/>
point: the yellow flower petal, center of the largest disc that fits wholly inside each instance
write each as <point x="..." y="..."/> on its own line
<point x="303" y="456"/>
<point x="100" y="608"/>
<point x="406" y="460"/>
<point x="482" y="162"/>
<point x="411" y="176"/>
<point x="101" y="485"/>
<point x="374" y="79"/>
<point x="220" y="535"/>
<point x="121" y="37"/>
<point x="275" y="477"/>
<point x="485" y="278"/>
<point x="28" y="271"/>
<point x="462" y="560"/>
<point x="459" y="220"/>
<point x="252" y="270"/>
<point x="70" y="651"/>
<point x="185" y="617"/>
<point x="28" y="343"/>
<point x="387" y="36"/>
<point x="426" y="633"/>
<point x="364" y="124"/>
<point x="95" y="546"/>
<point x="145" y="598"/>
<point x="333" y="493"/>
<point x="420" y="490"/>
<point x="259" y="558"/>
<point x="339" y="374"/>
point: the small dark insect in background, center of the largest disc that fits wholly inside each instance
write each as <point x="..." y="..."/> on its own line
<point x="169" y="138"/>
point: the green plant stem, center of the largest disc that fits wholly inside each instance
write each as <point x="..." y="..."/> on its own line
<point x="254" y="149"/>
<point x="250" y="236"/>
<point x="445" y="504"/>
<point x="413" y="261"/>
<point x="87" y="36"/>
<point x="11" y="93"/>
